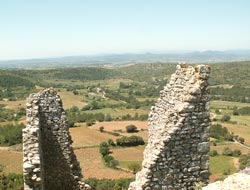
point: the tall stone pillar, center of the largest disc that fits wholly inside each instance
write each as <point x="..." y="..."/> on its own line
<point x="49" y="162"/>
<point x="177" y="154"/>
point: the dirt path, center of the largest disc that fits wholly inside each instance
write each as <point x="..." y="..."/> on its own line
<point x="243" y="145"/>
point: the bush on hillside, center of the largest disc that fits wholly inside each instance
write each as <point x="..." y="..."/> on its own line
<point x="225" y="118"/>
<point x="131" y="129"/>
<point x="130" y="141"/>
<point x="11" y="134"/>
<point x="244" y="161"/>
<point x="134" y="167"/>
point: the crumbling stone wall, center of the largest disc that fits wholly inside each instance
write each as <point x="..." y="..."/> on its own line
<point x="177" y="154"/>
<point x="49" y="162"/>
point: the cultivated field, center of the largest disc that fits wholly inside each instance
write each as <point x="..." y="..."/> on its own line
<point x="93" y="165"/>
<point x="241" y="130"/>
<point x="12" y="161"/>
<point x="129" y="154"/>
<point x="69" y="100"/>
<point x="83" y="136"/>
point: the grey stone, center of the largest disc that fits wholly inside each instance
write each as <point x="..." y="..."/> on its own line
<point x="177" y="152"/>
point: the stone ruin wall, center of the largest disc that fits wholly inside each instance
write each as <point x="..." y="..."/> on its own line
<point x="177" y="154"/>
<point x="49" y="162"/>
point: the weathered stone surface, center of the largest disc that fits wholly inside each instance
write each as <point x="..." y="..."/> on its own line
<point x="49" y="160"/>
<point x="237" y="181"/>
<point x="176" y="156"/>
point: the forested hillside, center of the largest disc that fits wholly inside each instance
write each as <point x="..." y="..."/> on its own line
<point x="229" y="81"/>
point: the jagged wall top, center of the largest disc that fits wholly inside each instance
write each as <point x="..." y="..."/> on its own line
<point x="49" y="160"/>
<point x="176" y="156"/>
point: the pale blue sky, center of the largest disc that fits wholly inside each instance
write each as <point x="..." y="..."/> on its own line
<point x="50" y="28"/>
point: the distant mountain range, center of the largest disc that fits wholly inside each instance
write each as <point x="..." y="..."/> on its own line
<point x="129" y="58"/>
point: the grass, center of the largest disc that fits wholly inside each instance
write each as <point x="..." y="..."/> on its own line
<point x="125" y="164"/>
<point x="93" y="167"/>
<point x="219" y="164"/>
<point x="231" y="145"/>
<point x="241" y="119"/>
<point x="217" y="104"/>
<point x="241" y="130"/>
<point x="13" y="105"/>
<point x="129" y="154"/>
<point x="83" y="136"/>
<point x="69" y="100"/>
<point x="12" y="161"/>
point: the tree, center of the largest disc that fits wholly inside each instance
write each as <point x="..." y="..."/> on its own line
<point x="114" y="163"/>
<point x="104" y="149"/>
<point x="111" y="142"/>
<point x="130" y="141"/>
<point x="74" y="109"/>
<point x="107" y="158"/>
<point x="244" y="161"/>
<point x="236" y="153"/>
<point x="227" y="152"/>
<point x="225" y="118"/>
<point x="241" y="140"/>
<point x="131" y="129"/>
<point x="101" y="129"/>
<point x="213" y="153"/>
<point x="134" y="167"/>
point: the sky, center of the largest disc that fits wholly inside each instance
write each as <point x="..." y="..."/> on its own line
<point x="53" y="28"/>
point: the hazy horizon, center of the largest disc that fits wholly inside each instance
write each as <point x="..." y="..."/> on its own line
<point x="47" y="29"/>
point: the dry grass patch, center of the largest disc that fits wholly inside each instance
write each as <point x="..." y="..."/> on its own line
<point x="241" y="130"/>
<point x="93" y="167"/>
<point x="83" y="136"/>
<point x="217" y="104"/>
<point x="234" y="146"/>
<point x="69" y="100"/>
<point x="12" y="161"/>
<point x="129" y="154"/>
<point x="14" y="105"/>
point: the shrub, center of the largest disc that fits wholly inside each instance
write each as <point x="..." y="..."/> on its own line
<point x="227" y="172"/>
<point x="101" y="129"/>
<point x="114" y="163"/>
<point x="134" y="167"/>
<point x="236" y="153"/>
<point x="219" y="132"/>
<point x="225" y="118"/>
<point x="130" y="141"/>
<point x="11" y="182"/>
<point x="11" y="134"/>
<point x="111" y="142"/>
<point x="1" y="168"/>
<point x="104" y="150"/>
<point x="227" y="152"/>
<point x="241" y="140"/>
<point x="90" y="122"/>
<point x="199" y="185"/>
<point x="244" y="161"/>
<point x="213" y="153"/>
<point x="131" y="129"/>
<point x="108" y="158"/>
<point x="100" y="184"/>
